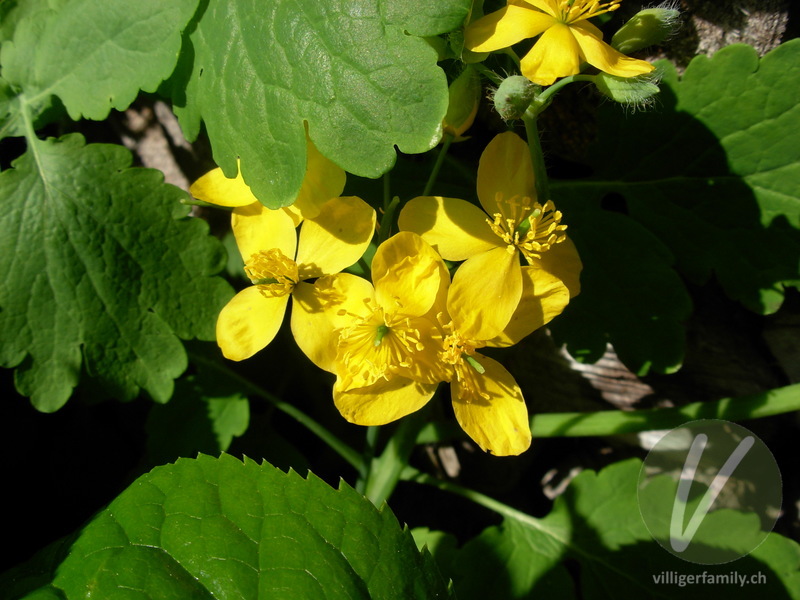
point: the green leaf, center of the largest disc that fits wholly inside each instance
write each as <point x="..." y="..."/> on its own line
<point x="713" y="171"/>
<point x="94" y="55"/>
<point x="202" y="416"/>
<point x="254" y="72"/>
<point x="630" y="295"/>
<point x="220" y="528"/>
<point x="595" y="527"/>
<point x="101" y="269"/>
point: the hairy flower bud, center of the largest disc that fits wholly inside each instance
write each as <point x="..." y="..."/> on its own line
<point x="513" y="97"/>
<point x="636" y="92"/>
<point x="647" y="27"/>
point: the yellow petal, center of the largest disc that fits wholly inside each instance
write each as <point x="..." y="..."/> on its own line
<point x="492" y="410"/>
<point x="549" y="6"/>
<point x="589" y="28"/>
<point x="555" y="55"/>
<point x="455" y="228"/>
<point x="323" y="180"/>
<point x="215" y="188"/>
<point x="506" y="183"/>
<point x="249" y="322"/>
<point x="544" y="296"/>
<point x="408" y="274"/>
<point x="336" y="238"/>
<point x="382" y="402"/>
<point x="563" y="261"/>
<point x="505" y="28"/>
<point x="257" y="228"/>
<point x="484" y="294"/>
<point x="599" y="54"/>
<point x="320" y="310"/>
<point x="294" y="213"/>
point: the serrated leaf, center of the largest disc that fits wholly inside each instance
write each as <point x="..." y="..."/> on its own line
<point x="713" y="171"/>
<point x="100" y="270"/>
<point x="596" y="527"/>
<point x="220" y="528"/>
<point x="630" y="295"/>
<point x="254" y="72"/>
<point x="94" y="55"/>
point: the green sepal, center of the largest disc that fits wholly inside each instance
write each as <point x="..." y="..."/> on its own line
<point x="646" y="28"/>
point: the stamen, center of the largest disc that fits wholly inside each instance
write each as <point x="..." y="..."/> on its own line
<point x="273" y="272"/>
<point x="458" y="353"/>
<point x="375" y="346"/>
<point x="544" y="231"/>
<point x="580" y="10"/>
<point x="534" y="235"/>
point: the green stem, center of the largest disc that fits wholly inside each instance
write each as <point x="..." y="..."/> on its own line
<point x="387" y="191"/>
<point x="488" y="73"/>
<point x="342" y="449"/>
<point x="370" y="445"/>
<point x="446" y="141"/>
<point x="611" y="422"/>
<point x="537" y="156"/>
<point x="386" y="470"/>
<point x="509" y="52"/>
<point x="385" y="228"/>
<point x="412" y="474"/>
<point x="561" y="535"/>
<point x="544" y="99"/>
<point x="773" y="402"/>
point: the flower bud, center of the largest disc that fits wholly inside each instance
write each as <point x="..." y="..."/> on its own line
<point x="465" y="95"/>
<point x="647" y="27"/>
<point x="634" y="91"/>
<point x="513" y="97"/>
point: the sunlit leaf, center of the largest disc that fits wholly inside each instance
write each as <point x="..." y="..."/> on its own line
<point x="101" y="272"/>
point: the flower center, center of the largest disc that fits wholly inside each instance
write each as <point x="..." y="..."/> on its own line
<point x="376" y="346"/>
<point x="533" y="236"/>
<point x="580" y="10"/>
<point x="459" y="353"/>
<point x="273" y="272"/>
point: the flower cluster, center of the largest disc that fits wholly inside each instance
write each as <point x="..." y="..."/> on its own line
<point x="334" y="234"/>
<point x="392" y="341"/>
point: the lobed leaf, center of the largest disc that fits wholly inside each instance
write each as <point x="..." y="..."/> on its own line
<point x="712" y="171"/>
<point x="101" y="271"/>
<point x="220" y="528"/>
<point x="255" y="72"/>
<point x="713" y="175"/>
<point x="202" y="416"/>
<point x="630" y="296"/>
<point x="595" y="527"/>
<point x="94" y="55"/>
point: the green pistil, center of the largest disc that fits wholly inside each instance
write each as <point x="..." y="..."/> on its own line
<point x="381" y="333"/>
<point x="265" y="281"/>
<point x="474" y="363"/>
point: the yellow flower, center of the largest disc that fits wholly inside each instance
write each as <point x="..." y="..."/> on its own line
<point x="381" y="341"/>
<point x="567" y="38"/>
<point x="323" y="180"/>
<point x="493" y="287"/>
<point x="487" y="401"/>
<point x="267" y="240"/>
<point x="389" y="350"/>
